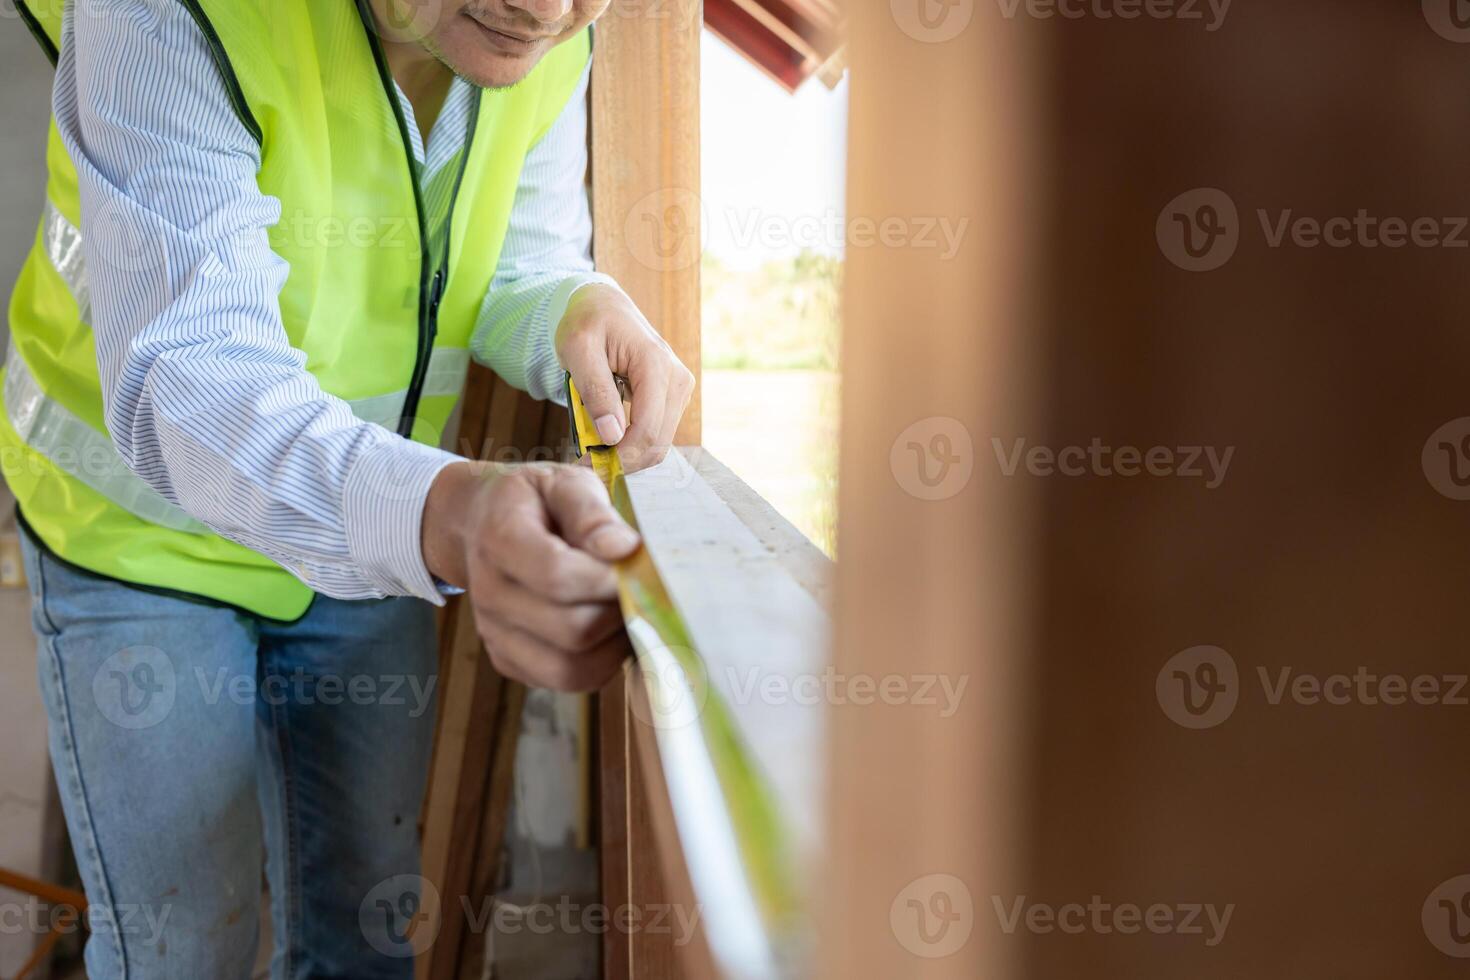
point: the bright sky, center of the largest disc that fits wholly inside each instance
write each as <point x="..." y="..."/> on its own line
<point x="774" y="164"/>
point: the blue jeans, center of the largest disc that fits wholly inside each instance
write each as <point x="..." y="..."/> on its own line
<point x="194" y="743"/>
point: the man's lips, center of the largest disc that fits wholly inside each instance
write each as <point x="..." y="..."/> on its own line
<point x="507" y="41"/>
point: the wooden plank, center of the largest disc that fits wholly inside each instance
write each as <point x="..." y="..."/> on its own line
<point x="494" y="818"/>
<point x="757" y="630"/>
<point x="613" y="841"/>
<point x="731" y="577"/>
<point x="647" y="213"/>
<point x="798" y="556"/>
<point x="664" y="953"/>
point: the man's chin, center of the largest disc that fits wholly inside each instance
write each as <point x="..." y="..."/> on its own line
<point x="494" y="71"/>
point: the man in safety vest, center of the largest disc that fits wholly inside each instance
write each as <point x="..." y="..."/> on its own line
<point x="275" y="233"/>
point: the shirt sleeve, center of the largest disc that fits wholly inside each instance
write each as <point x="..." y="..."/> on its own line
<point x="547" y="256"/>
<point x="206" y="399"/>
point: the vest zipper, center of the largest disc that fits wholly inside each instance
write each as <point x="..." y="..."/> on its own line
<point x="438" y="285"/>
<point x="432" y="282"/>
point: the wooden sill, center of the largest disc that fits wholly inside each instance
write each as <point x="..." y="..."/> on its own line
<point x="752" y="591"/>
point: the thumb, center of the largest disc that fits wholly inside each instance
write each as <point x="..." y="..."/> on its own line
<point x="599" y="391"/>
<point x="578" y="506"/>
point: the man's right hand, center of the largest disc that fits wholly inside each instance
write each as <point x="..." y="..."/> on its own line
<point x="533" y="546"/>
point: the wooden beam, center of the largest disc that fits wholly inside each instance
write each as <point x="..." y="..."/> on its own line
<point x="648" y="222"/>
<point x="737" y="810"/>
<point x="647" y="212"/>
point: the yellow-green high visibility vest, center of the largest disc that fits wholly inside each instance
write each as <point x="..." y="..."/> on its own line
<point x="383" y="327"/>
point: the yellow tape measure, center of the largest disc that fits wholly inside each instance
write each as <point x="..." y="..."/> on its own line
<point x="659" y="634"/>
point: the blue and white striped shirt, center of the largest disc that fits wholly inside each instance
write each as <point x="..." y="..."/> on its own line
<point x="205" y="398"/>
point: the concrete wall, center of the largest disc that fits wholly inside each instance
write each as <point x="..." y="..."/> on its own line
<point x="25" y="107"/>
<point x="28" y="824"/>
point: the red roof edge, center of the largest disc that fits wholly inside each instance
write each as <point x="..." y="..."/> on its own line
<point x="789" y="40"/>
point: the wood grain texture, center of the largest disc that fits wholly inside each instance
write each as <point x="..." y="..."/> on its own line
<point x="733" y="577"/>
<point x="494" y="818"/>
<point x="932" y="587"/>
<point x="647" y="220"/>
<point x="1325" y="550"/>
<point x="647" y="212"/>
<point x="652" y="824"/>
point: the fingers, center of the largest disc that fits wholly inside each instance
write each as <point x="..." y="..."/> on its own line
<point x="681" y="390"/>
<point x="522" y="657"/>
<point x="542" y="584"/>
<point x="577" y="503"/>
<point x="524" y="536"/>
<point x="587" y="361"/>
<point x="576" y="627"/>
<point x="544" y="563"/>
<point x="647" y="440"/>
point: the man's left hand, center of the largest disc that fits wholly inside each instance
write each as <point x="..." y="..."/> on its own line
<point x="603" y="333"/>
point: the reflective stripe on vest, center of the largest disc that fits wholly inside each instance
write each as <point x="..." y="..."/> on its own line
<point x="63" y="244"/>
<point x="80" y="451"/>
<point x="88" y="455"/>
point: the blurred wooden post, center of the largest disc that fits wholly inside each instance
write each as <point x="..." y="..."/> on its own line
<point x="930" y="586"/>
<point x="647" y="217"/>
<point x="1334" y="371"/>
